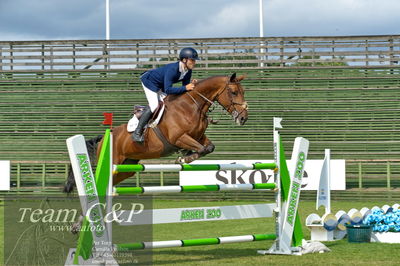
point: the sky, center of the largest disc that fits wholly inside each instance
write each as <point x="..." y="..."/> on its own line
<point x="148" y="19"/>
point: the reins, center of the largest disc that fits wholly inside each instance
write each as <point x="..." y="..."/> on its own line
<point x="234" y="113"/>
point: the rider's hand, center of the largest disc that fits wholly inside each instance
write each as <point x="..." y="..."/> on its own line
<point x="190" y="87"/>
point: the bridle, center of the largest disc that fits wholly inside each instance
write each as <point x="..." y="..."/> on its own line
<point x="235" y="114"/>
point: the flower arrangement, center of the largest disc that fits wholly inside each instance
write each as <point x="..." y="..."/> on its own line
<point x="384" y="222"/>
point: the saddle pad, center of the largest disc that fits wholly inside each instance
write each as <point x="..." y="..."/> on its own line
<point x="134" y="121"/>
<point x="132" y="124"/>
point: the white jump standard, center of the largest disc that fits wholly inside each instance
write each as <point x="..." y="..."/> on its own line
<point x="287" y="236"/>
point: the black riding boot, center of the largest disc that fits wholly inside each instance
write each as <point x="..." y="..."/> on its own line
<point x="137" y="135"/>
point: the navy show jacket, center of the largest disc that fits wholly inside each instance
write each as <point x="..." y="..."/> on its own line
<point x="164" y="77"/>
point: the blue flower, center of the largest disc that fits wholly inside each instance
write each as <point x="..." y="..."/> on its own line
<point x="383" y="222"/>
<point x="385" y="228"/>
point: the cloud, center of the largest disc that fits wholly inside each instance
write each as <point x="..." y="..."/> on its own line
<point x="47" y="19"/>
<point x="165" y="19"/>
<point x="236" y="19"/>
<point x="140" y="19"/>
<point x="331" y="17"/>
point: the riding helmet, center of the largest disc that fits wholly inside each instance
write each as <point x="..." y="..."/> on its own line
<point x="188" y="53"/>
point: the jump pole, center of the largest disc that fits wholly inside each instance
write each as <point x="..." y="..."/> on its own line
<point x="195" y="242"/>
<point x="191" y="167"/>
<point x="195" y="188"/>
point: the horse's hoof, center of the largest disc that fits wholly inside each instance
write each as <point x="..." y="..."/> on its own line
<point x="180" y="160"/>
<point x="76" y="227"/>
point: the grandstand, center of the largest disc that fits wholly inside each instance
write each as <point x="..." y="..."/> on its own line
<point x="341" y="93"/>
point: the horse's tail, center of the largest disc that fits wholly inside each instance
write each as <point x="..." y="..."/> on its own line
<point x="91" y="145"/>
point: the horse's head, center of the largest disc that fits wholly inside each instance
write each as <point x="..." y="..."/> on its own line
<point x="231" y="97"/>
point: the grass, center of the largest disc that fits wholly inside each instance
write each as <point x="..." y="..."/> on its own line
<point x="245" y="253"/>
<point x="343" y="253"/>
<point x="1" y="233"/>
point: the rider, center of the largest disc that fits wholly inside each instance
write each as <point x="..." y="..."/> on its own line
<point x="157" y="83"/>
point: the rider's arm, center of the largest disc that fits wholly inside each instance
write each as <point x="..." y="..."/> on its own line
<point x="168" y="83"/>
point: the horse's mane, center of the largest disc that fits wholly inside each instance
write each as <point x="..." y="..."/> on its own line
<point x="207" y="79"/>
<point x="199" y="83"/>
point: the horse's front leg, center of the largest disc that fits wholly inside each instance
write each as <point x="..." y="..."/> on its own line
<point x="196" y="148"/>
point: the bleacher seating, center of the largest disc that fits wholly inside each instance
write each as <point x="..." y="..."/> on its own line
<point x="354" y="111"/>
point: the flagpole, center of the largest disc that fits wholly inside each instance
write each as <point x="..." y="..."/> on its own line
<point x="107" y="19"/>
<point x="261" y="14"/>
<point x="107" y="33"/>
<point x="261" y="18"/>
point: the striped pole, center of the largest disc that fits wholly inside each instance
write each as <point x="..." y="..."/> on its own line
<point x="195" y="188"/>
<point x="191" y="167"/>
<point x="194" y="242"/>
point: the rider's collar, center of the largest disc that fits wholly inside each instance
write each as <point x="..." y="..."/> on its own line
<point x="182" y="68"/>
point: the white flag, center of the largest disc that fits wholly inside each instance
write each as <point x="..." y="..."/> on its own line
<point x="277" y="123"/>
<point x="324" y="189"/>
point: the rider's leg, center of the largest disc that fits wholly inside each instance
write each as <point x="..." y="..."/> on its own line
<point x="152" y="98"/>
<point x="137" y="135"/>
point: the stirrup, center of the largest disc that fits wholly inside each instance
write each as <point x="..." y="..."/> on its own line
<point x="139" y="138"/>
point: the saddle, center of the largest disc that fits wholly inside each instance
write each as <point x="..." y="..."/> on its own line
<point x="153" y="122"/>
<point x="137" y="113"/>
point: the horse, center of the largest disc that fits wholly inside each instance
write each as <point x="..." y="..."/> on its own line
<point x="182" y="126"/>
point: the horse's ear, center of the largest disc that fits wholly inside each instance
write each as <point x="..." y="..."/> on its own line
<point x="233" y="77"/>
<point x="240" y="78"/>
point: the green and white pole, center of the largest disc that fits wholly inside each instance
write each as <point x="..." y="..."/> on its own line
<point x="194" y="188"/>
<point x="194" y="242"/>
<point x="192" y="167"/>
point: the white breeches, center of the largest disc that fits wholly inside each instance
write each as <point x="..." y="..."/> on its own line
<point x="153" y="97"/>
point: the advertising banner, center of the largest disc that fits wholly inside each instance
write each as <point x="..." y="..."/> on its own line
<point x="310" y="180"/>
<point x="5" y="175"/>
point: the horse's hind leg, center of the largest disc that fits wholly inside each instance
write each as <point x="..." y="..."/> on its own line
<point x="119" y="177"/>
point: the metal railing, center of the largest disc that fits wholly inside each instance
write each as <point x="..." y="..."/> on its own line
<point x="220" y="53"/>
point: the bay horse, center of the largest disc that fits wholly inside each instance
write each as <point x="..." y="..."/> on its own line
<point x="182" y="126"/>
